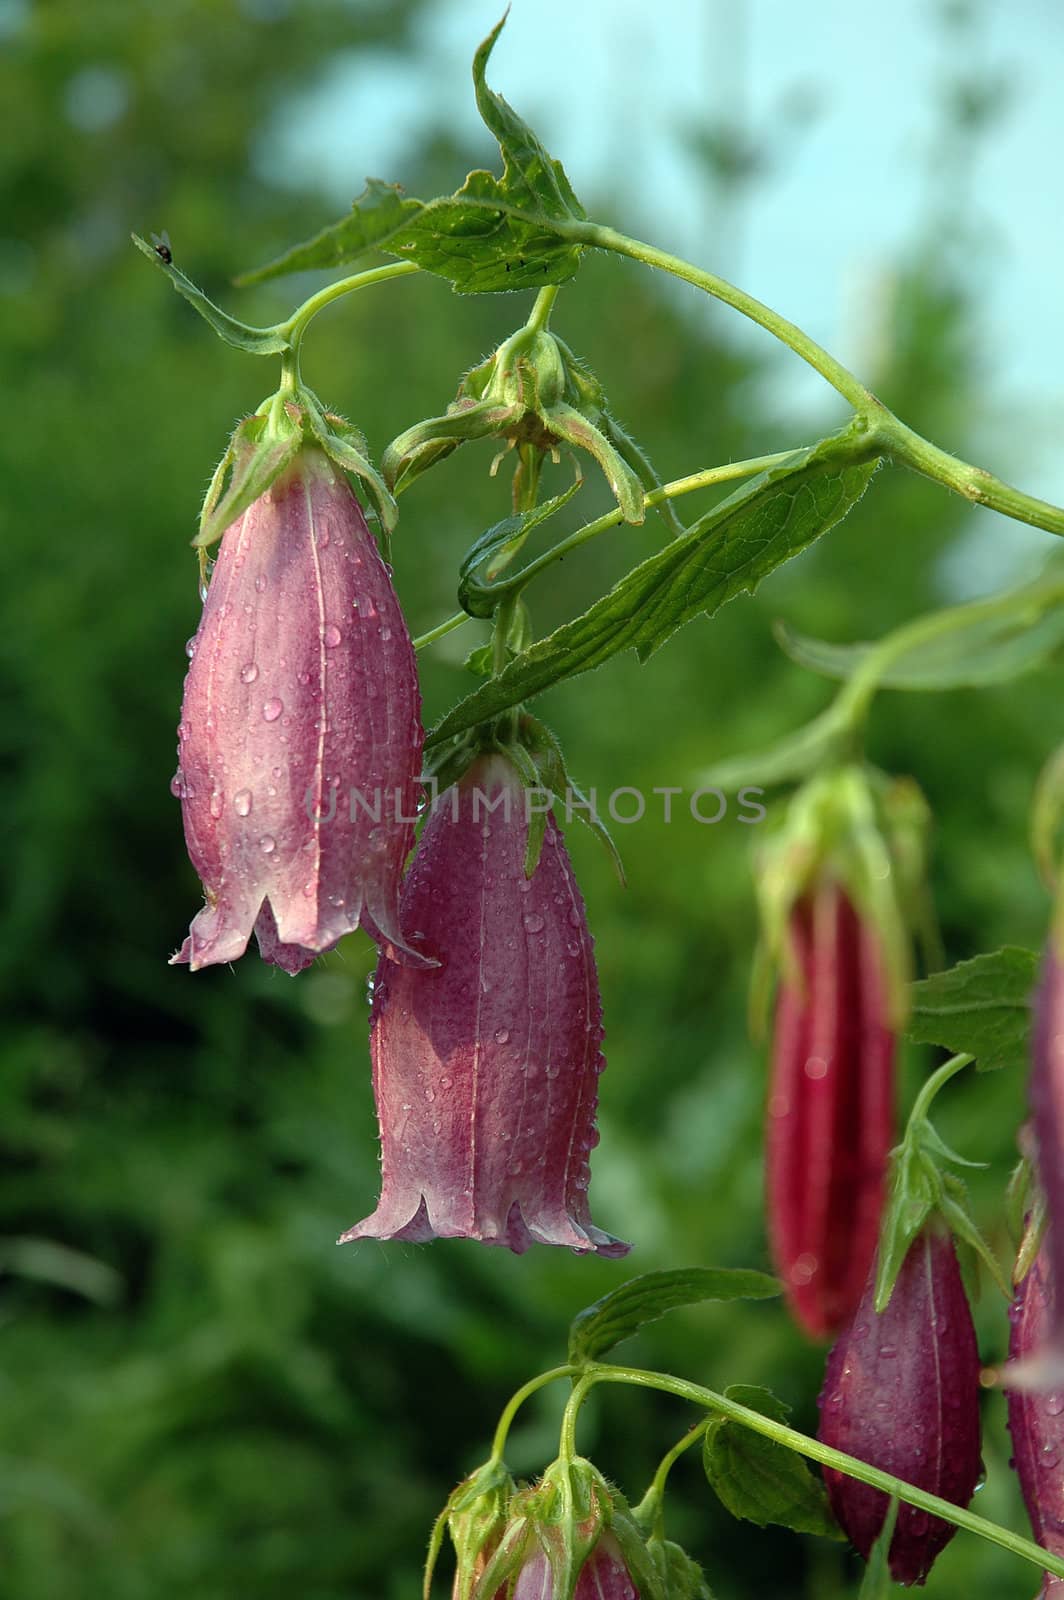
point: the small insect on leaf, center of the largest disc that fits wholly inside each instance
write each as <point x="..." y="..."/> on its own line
<point x="161" y="243"/>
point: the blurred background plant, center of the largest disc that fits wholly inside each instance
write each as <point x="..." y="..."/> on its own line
<point x="198" y="1392"/>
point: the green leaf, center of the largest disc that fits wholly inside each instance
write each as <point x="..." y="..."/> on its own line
<point x="989" y="649"/>
<point x="380" y="212"/>
<point x="726" y="553"/>
<point x="253" y="341"/>
<point x="980" y="1008"/>
<point x="492" y="552"/>
<point x="757" y="1479"/>
<point x="494" y="234"/>
<point x="878" y="1583"/>
<point x="644" y="1299"/>
<point x="796" y="755"/>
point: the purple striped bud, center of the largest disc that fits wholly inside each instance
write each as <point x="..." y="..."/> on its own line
<point x="901" y="1392"/>
<point x="485" y="1069"/>
<point x="300" y="737"/>
<point x="1036" y="1419"/>
<point x="830" y="1109"/>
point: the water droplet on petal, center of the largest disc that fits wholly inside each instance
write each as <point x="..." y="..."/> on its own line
<point x="331" y="635"/>
<point x="190" y="646"/>
<point x="217" y="799"/>
<point x="267" y="844"/>
<point x="502" y="1035"/>
<point x="242" y="802"/>
<point x="260" y="582"/>
<point x="386" y="634"/>
<point x="272" y="710"/>
<point x="249" y="672"/>
<point x="533" y="922"/>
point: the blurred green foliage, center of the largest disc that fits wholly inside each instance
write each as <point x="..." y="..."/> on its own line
<point x="198" y="1393"/>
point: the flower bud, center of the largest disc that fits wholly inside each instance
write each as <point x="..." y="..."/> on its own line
<point x="485" y="1069"/>
<point x="603" y="1576"/>
<point x="300" y="735"/>
<point x="901" y="1392"/>
<point x="830" y="1109"/>
<point x="1036" y="1418"/>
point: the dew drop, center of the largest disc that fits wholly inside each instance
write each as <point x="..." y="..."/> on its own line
<point x="502" y="1035"/>
<point x="1055" y="1404"/>
<point x="331" y="635"/>
<point x="177" y="784"/>
<point x="260" y="583"/>
<point x="308" y="890"/>
<point x="242" y="802"/>
<point x="446" y="1083"/>
<point x="267" y="844"/>
<point x="216" y="804"/>
<point x="533" y="922"/>
<point x="272" y="710"/>
<point x="430" y="1095"/>
<point x="386" y="634"/>
<point x="249" y="672"/>
<point x="190" y="646"/>
<point x="887" y="1352"/>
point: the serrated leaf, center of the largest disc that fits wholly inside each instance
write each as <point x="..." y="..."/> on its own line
<point x="987" y="650"/>
<point x="980" y="1008"/>
<point x="757" y="1479"/>
<point x="725" y="553"/>
<point x="644" y="1299"/>
<point x="253" y="341"/>
<point x="494" y="234"/>
<point x="380" y="212"/>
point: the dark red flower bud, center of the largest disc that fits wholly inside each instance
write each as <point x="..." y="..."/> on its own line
<point x="901" y="1392"/>
<point x="485" y="1069"/>
<point x="830" y="1109"/>
<point x="300" y="736"/>
<point x="1036" y="1417"/>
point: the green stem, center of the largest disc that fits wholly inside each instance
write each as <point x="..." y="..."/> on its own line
<point x="459" y="620"/>
<point x="902" y="444"/>
<point x="779" y="1433"/>
<point x="567" y="1439"/>
<point x="539" y="320"/>
<point x="668" y="491"/>
<point x="653" y="1502"/>
<point x="296" y="325"/>
<point x="893" y="436"/>
<point x="603" y="238"/>
<point x="934" y="1083"/>
<point x="517" y="1400"/>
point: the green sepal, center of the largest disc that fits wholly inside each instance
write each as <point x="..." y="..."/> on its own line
<point x="643" y="467"/>
<point x="475" y="1516"/>
<point x="877" y="1583"/>
<point x="759" y="1480"/>
<point x="345" y="445"/>
<point x="921" y="1188"/>
<point x="261" y="448"/>
<point x="843" y="825"/>
<point x="548" y="763"/>
<point x="532" y="392"/>
<point x="420" y="447"/>
<point x="565" y="1514"/>
<point x="253" y="341"/>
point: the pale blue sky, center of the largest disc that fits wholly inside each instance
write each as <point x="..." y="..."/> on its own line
<point x="611" y="84"/>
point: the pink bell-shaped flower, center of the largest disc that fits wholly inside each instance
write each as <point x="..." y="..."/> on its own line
<point x="300" y="736"/>
<point x="485" y="1069"/>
